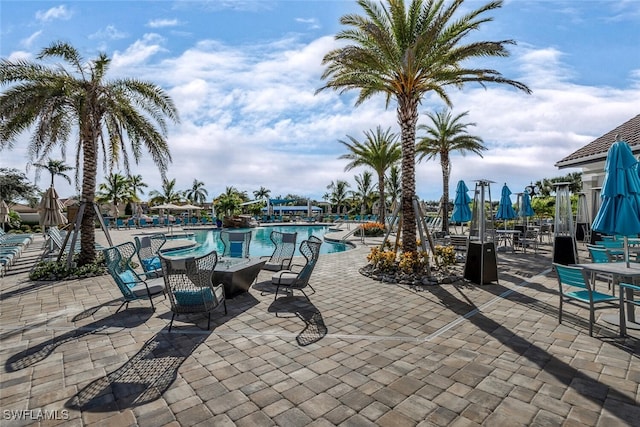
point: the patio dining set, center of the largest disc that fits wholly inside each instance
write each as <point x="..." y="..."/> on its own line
<point x="200" y="283"/>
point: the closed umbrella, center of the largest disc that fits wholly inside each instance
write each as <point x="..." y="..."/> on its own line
<point x="525" y="209"/>
<point x="461" y="210"/>
<point x="50" y="209"/>
<point x="4" y="213"/>
<point x="619" y="213"/>
<point x="505" y="208"/>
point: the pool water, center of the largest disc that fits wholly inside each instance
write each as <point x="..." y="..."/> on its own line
<point x="261" y="244"/>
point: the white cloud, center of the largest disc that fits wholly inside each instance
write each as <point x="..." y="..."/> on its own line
<point x="110" y="32"/>
<point x="59" y="12"/>
<point x="139" y="52"/>
<point x="28" y="42"/>
<point x="312" y="23"/>
<point x="162" y="23"/>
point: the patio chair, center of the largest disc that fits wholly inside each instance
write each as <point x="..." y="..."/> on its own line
<point x="285" y="246"/>
<point x="132" y="285"/>
<point x="131" y="223"/>
<point x="236" y="243"/>
<point x="190" y="286"/>
<point x="119" y="223"/>
<point x="298" y="276"/>
<point x="148" y="250"/>
<point x="624" y="300"/>
<point x="575" y="277"/>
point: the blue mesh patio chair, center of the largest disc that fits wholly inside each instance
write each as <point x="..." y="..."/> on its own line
<point x="190" y="286"/>
<point x="574" y="285"/>
<point x="236" y="243"/>
<point x="284" y="247"/>
<point x="148" y="250"/>
<point x="297" y="277"/>
<point x="133" y="286"/>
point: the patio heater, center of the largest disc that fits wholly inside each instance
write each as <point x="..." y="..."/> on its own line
<point x="564" y="240"/>
<point x="481" y="265"/>
<point x="583" y="225"/>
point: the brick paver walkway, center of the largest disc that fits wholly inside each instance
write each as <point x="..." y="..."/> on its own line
<point x="360" y="353"/>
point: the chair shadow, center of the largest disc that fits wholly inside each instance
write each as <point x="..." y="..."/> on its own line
<point x="144" y="377"/>
<point x="125" y="319"/>
<point x="314" y="327"/>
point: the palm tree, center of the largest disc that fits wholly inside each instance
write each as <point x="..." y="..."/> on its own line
<point x="55" y="168"/>
<point x="262" y="193"/>
<point x="58" y="102"/>
<point x="405" y="51"/>
<point x="393" y="184"/>
<point x="447" y="134"/>
<point x="168" y="194"/>
<point x="229" y="201"/>
<point x="137" y="184"/>
<point x="115" y="190"/>
<point x="365" y="189"/>
<point x="338" y="195"/>
<point x="197" y="193"/>
<point x="380" y="150"/>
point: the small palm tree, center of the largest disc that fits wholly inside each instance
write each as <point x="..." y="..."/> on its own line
<point x="137" y="184"/>
<point x="168" y="194"/>
<point x="338" y="195"/>
<point x="55" y="168"/>
<point x="115" y="190"/>
<point x="403" y="50"/>
<point x="393" y="184"/>
<point x="365" y="189"/>
<point x="229" y="201"/>
<point x="445" y="135"/>
<point x="197" y="193"/>
<point x="262" y="193"/>
<point x="60" y="101"/>
<point x="380" y="150"/>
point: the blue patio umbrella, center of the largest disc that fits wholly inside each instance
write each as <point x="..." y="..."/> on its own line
<point x="619" y="213"/>
<point x="505" y="208"/>
<point x="526" y="210"/>
<point x="461" y="210"/>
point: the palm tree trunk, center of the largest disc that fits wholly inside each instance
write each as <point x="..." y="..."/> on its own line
<point x="407" y="119"/>
<point x="446" y="172"/>
<point x="382" y="208"/>
<point x="87" y="228"/>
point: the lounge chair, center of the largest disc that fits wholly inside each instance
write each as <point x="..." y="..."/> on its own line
<point x="575" y="277"/>
<point x="285" y="246"/>
<point x="132" y="285"/>
<point x="119" y="223"/>
<point x="131" y="223"/>
<point x="148" y="251"/>
<point x="298" y="276"/>
<point x="236" y="243"/>
<point x="143" y="223"/>
<point x="190" y="285"/>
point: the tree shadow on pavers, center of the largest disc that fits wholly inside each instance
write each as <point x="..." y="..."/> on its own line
<point x="125" y="319"/>
<point x="33" y="286"/>
<point x="298" y="306"/>
<point x="589" y="388"/>
<point x="144" y="377"/>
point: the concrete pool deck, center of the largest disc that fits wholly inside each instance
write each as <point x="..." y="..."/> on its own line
<point x="359" y="353"/>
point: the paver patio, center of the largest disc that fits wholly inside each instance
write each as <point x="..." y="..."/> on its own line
<point x="360" y="353"/>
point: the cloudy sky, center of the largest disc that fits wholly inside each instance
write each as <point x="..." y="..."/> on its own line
<point x="243" y="75"/>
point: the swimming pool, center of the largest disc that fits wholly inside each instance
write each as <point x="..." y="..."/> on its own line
<point x="261" y="244"/>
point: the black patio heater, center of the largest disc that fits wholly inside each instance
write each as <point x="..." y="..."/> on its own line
<point x="481" y="265"/>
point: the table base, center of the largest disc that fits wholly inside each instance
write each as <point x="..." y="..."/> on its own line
<point x="614" y="319"/>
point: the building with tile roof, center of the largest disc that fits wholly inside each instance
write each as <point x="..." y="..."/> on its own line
<point x="591" y="159"/>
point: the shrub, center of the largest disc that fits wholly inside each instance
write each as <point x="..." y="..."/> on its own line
<point x="414" y="262"/>
<point x="57" y="270"/>
<point x="373" y="229"/>
<point x="383" y="260"/>
<point x="446" y="255"/>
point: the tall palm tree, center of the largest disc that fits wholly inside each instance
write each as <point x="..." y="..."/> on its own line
<point x="338" y="195"/>
<point x="55" y="168"/>
<point x="115" y="190"/>
<point x="58" y="101"/>
<point x="197" y="193"/>
<point x="168" y="194"/>
<point x="445" y="135"/>
<point x="229" y="201"/>
<point x="404" y="51"/>
<point x="137" y="184"/>
<point x="380" y="150"/>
